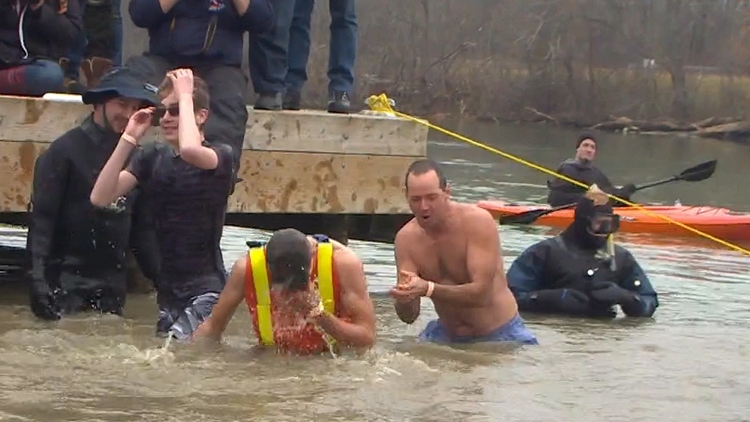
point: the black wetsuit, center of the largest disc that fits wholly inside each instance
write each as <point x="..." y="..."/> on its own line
<point x="77" y="251"/>
<point x="568" y="274"/>
<point x="189" y="205"/>
<point x="562" y="192"/>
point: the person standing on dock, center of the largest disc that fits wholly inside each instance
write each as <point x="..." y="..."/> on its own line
<point x="34" y="35"/>
<point x="187" y="182"/>
<point x="78" y="252"/>
<point x="575" y="273"/>
<point x="278" y="59"/>
<point x="450" y="253"/>
<point x="306" y="295"/>
<point x="582" y="169"/>
<point x="207" y="37"/>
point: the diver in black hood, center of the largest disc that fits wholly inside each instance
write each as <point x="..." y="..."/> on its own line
<point x="580" y="272"/>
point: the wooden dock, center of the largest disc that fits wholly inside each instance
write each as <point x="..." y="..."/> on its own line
<point x="316" y="171"/>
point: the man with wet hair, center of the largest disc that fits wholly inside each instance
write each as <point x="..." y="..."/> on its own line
<point x="78" y="252"/>
<point x="450" y="253"/>
<point x="306" y="295"/>
<point x="580" y="272"/>
<point x="582" y="169"/>
<point x="187" y="181"/>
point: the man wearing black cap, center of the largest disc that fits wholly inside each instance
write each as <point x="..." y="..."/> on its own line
<point x="580" y="272"/>
<point x="78" y="251"/>
<point x="582" y="169"/>
<point x="305" y="294"/>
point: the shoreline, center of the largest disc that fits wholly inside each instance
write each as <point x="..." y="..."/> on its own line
<point x="732" y="129"/>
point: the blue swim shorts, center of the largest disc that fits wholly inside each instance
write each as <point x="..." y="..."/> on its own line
<point x="513" y="331"/>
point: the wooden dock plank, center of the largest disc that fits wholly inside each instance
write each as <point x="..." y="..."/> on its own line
<point x="36" y="120"/>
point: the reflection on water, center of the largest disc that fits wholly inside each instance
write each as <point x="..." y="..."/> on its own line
<point x="690" y="364"/>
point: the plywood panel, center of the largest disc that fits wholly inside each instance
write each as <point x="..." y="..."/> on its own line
<point x="320" y="183"/>
<point x="36" y="120"/>
<point x="274" y="182"/>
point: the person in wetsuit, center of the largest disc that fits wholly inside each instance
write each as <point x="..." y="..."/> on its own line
<point x="574" y="274"/>
<point x="187" y="181"/>
<point x="78" y="252"/>
<point x="582" y="169"/>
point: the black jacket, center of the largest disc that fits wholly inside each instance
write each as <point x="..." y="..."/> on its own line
<point x="562" y="192"/>
<point x="200" y="31"/>
<point x="47" y="32"/>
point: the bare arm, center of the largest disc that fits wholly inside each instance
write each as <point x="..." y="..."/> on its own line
<point x="407" y="310"/>
<point x="355" y="304"/>
<point x="113" y="181"/>
<point x="191" y="148"/>
<point x="482" y="263"/>
<point x="234" y="291"/>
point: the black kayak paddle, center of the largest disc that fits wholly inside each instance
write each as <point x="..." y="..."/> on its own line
<point x="696" y="173"/>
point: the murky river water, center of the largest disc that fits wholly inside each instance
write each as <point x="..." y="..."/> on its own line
<point x="692" y="363"/>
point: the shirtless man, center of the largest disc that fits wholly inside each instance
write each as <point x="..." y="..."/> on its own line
<point x="450" y="252"/>
<point x="318" y="293"/>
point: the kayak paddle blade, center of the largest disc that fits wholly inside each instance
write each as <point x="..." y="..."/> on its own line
<point x="529" y="217"/>
<point x="694" y="174"/>
<point x="698" y="173"/>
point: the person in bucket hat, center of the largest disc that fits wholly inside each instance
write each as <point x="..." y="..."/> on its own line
<point x="77" y="251"/>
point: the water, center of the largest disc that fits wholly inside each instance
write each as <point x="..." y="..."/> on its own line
<point x="690" y="364"/>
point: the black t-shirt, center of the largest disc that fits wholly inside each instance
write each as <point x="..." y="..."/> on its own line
<point x="189" y="205"/>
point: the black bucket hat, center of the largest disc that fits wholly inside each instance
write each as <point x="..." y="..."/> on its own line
<point x="122" y="82"/>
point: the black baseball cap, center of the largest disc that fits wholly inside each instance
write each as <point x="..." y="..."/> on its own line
<point x="289" y="257"/>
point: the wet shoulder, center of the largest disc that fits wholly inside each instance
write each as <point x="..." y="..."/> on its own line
<point x="409" y="233"/>
<point x="475" y="216"/>
<point x="68" y="142"/>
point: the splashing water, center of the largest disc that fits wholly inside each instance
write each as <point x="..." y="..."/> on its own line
<point x="152" y="357"/>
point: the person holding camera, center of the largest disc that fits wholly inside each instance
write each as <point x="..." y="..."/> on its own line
<point x="187" y="182"/>
<point x="208" y="38"/>
<point x="34" y="35"/>
<point x="78" y="252"/>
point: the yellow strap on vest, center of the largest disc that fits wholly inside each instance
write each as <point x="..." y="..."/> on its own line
<point x="262" y="295"/>
<point x="263" y="292"/>
<point x="325" y="276"/>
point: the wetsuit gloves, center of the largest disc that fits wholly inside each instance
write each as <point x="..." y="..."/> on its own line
<point x="611" y="294"/>
<point x="567" y="301"/>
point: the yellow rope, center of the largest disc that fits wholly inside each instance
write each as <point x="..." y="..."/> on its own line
<point x="382" y="104"/>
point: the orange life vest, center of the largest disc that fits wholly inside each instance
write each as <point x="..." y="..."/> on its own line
<point x="304" y="339"/>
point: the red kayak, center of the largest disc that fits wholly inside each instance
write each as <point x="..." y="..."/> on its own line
<point x="718" y="222"/>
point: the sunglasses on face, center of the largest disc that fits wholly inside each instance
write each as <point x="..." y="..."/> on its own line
<point x="161" y="110"/>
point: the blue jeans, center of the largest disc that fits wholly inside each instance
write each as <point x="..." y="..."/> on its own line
<point x="278" y="59"/>
<point x="78" y="49"/>
<point x="35" y="79"/>
<point x="513" y="331"/>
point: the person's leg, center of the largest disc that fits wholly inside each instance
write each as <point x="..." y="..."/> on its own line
<point x="342" y="55"/>
<point x="267" y="55"/>
<point x="117" y="37"/>
<point x="35" y="79"/>
<point x="75" y="57"/>
<point x="228" y="113"/>
<point x="298" y="53"/>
